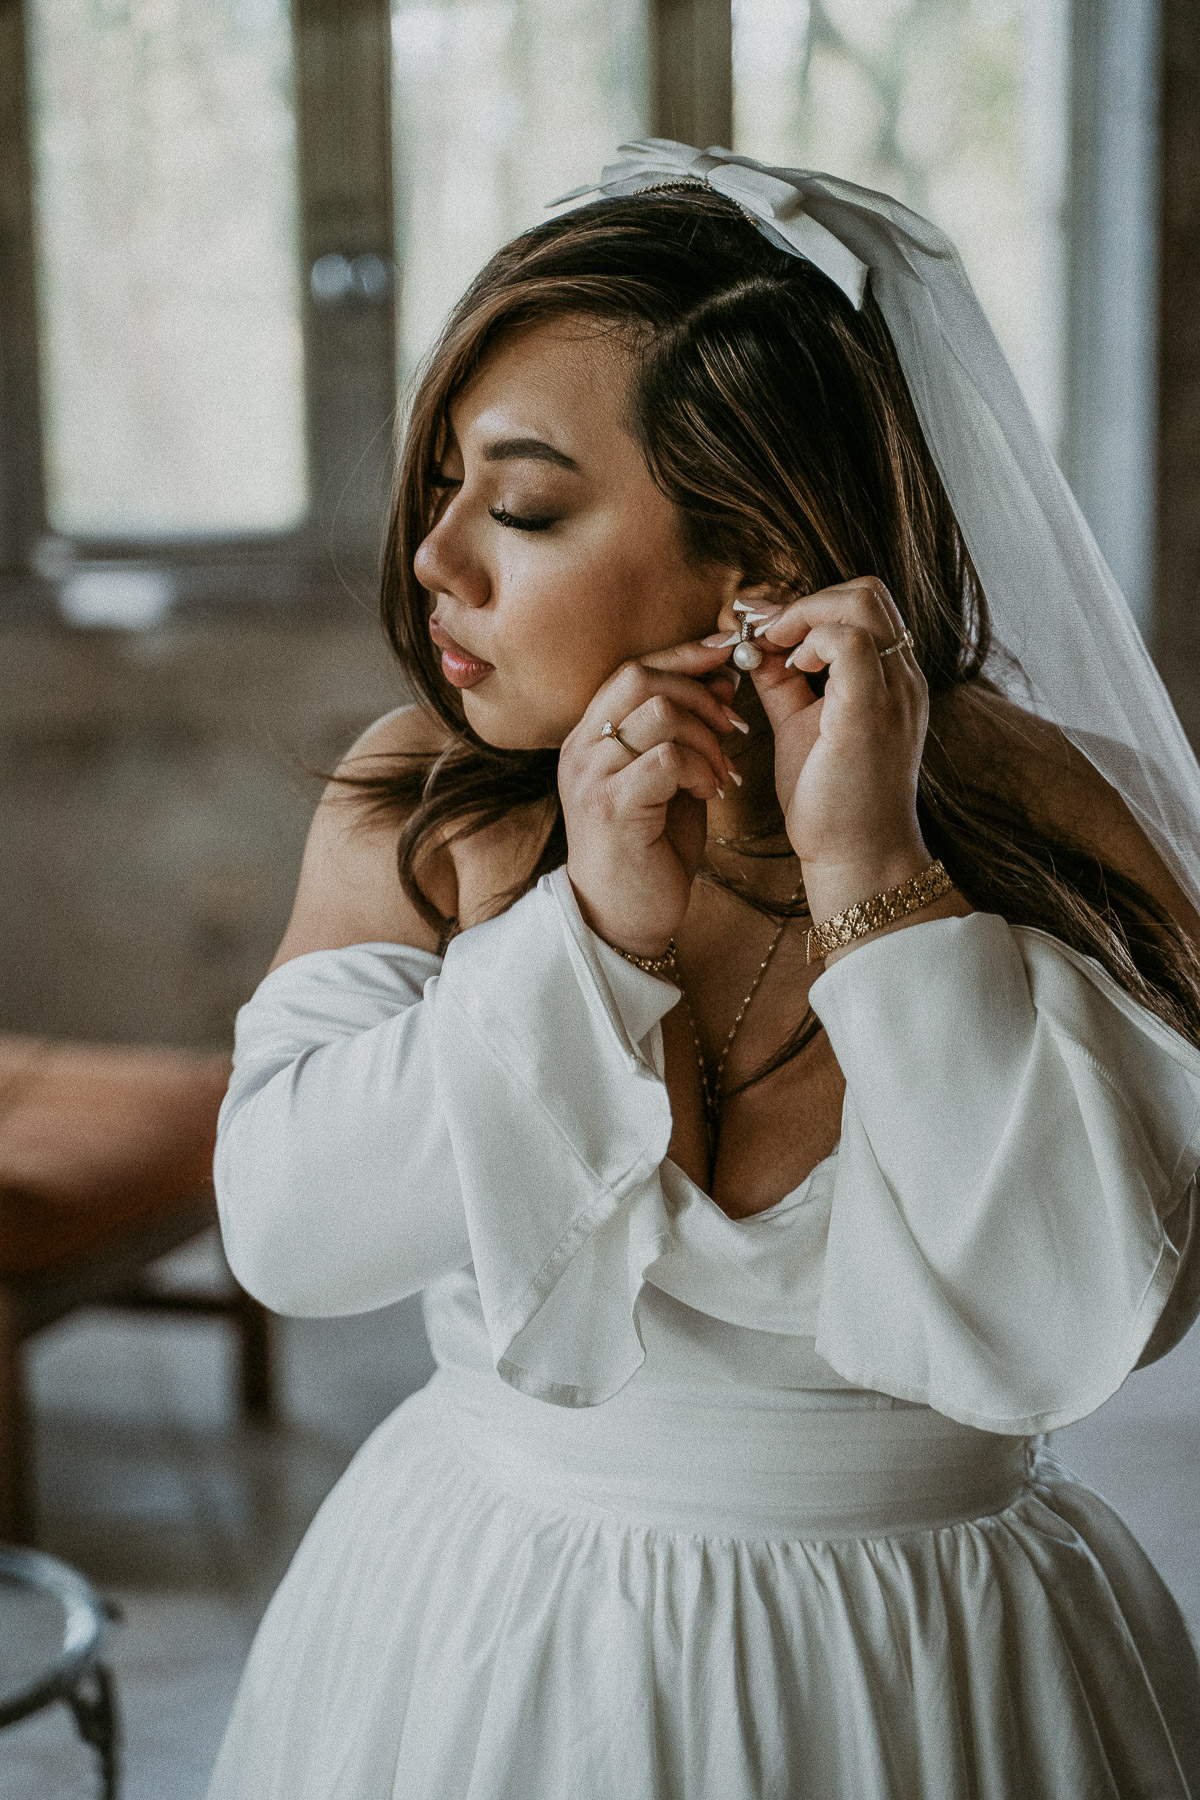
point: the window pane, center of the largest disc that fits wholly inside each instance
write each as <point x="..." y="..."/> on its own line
<point x="498" y="107"/>
<point x="958" y="108"/>
<point x="168" y="269"/>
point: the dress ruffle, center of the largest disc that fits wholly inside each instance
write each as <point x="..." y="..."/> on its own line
<point x="989" y="1238"/>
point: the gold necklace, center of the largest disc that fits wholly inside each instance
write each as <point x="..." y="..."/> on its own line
<point x="710" y="1090"/>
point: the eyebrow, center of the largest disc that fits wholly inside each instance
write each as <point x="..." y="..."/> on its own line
<point x="528" y="449"/>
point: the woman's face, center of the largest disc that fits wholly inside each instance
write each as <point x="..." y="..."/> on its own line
<point x="553" y="556"/>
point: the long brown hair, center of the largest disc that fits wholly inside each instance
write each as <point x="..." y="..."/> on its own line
<point x="777" y="420"/>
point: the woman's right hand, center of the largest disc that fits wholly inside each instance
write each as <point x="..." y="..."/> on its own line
<point x="636" y="819"/>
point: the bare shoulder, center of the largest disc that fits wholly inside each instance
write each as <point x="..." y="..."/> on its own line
<point x="349" y="890"/>
<point x="1001" y="747"/>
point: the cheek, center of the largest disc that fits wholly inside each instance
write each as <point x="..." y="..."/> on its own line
<point x="583" y="613"/>
<point x="567" y="622"/>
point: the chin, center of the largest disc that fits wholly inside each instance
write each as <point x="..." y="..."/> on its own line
<point x="511" y="728"/>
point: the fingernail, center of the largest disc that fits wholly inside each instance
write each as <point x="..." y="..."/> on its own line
<point x="734" y="776"/>
<point x="759" y="629"/>
<point x="790" y="661"/>
<point x="720" y="793"/>
<point x="718" y="642"/>
<point x="738" y="723"/>
<point x="747" y="614"/>
<point x="735" y="675"/>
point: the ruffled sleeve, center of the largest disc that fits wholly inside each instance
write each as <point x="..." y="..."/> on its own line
<point x="392" y="1117"/>
<point x="549" y="1065"/>
<point x="1017" y="1135"/>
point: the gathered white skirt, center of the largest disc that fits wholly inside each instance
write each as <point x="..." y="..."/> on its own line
<point x="764" y="1595"/>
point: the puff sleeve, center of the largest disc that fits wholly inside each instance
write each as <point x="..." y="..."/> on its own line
<point x="1017" y="1135"/>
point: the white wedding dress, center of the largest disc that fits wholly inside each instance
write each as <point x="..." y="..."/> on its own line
<point x="708" y="1509"/>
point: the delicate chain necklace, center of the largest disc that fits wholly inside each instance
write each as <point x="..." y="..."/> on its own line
<point x="710" y="1087"/>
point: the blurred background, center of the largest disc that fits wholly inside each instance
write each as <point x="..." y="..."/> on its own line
<point x="228" y="231"/>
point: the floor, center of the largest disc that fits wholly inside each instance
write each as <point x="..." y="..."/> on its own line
<point x="150" y="1485"/>
<point x="187" y="1519"/>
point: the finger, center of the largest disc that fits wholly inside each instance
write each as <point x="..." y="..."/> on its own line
<point x="865" y="602"/>
<point x="692" y="658"/>
<point x="783" y="692"/>
<point x="633" y="684"/>
<point x="664" y="771"/>
<point x="659" y="720"/>
<point x="850" y="653"/>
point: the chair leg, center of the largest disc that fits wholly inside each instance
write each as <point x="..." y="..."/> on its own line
<point x="16" y="1508"/>
<point x="257" y="1375"/>
<point x="94" y="1703"/>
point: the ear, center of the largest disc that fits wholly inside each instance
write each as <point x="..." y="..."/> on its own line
<point x="759" y="596"/>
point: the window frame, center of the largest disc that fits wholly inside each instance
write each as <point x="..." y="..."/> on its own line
<point x="343" y="97"/>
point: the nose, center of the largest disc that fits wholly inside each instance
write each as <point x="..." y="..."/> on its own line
<point x="442" y="563"/>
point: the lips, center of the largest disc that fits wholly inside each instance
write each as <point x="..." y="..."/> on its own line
<point x="458" y="665"/>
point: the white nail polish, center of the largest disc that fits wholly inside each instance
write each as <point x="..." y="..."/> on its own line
<point x="725" y="642"/>
<point x="740" y="725"/>
<point x="790" y="663"/>
<point x="735" y="776"/>
<point x="759" y="629"/>
<point x="720" y="793"/>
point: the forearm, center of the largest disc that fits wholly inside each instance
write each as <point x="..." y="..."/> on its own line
<point x="1015" y="1131"/>
<point x="830" y="892"/>
<point x="334" y="1177"/>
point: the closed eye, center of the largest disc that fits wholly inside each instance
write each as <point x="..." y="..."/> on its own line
<point x="514" y="521"/>
<point x="516" y="524"/>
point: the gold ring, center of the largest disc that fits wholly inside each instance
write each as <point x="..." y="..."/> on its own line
<point x="609" y="730"/>
<point x="904" y="640"/>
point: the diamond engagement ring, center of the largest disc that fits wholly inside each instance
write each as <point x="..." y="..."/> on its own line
<point x="609" y="730"/>
<point x="905" y="638"/>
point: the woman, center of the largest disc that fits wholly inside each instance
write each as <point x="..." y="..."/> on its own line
<point x="752" y="1278"/>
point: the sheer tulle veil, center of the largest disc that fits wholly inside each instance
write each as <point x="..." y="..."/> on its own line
<point x="1067" y="644"/>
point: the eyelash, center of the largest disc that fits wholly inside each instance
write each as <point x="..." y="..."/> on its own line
<point x="499" y="513"/>
<point x="510" y="519"/>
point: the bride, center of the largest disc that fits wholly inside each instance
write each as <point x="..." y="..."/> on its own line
<point x="754" y="994"/>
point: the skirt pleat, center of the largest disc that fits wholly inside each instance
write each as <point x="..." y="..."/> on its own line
<point x="443" y="1634"/>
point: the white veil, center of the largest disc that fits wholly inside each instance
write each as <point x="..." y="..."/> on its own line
<point x="1055" y="606"/>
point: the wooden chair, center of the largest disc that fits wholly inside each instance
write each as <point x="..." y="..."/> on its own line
<point x="105" y="1159"/>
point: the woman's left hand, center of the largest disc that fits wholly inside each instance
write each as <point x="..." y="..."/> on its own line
<point x="846" y="763"/>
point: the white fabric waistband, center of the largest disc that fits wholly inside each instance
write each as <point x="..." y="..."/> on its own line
<point x="753" y="1464"/>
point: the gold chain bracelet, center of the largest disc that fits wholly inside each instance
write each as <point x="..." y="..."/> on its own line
<point x="661" y="966"/>
<point x="881" y="909"/>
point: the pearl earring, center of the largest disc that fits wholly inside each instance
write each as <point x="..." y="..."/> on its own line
<point x="747" y="655"/>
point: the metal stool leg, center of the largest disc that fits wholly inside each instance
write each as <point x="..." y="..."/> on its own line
<point x="94" y="1703"/>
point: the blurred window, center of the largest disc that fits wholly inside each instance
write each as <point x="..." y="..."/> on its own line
<point x="499" y="106"/>
<point x="957" y="107"/>
<point x="171" y="347"/>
